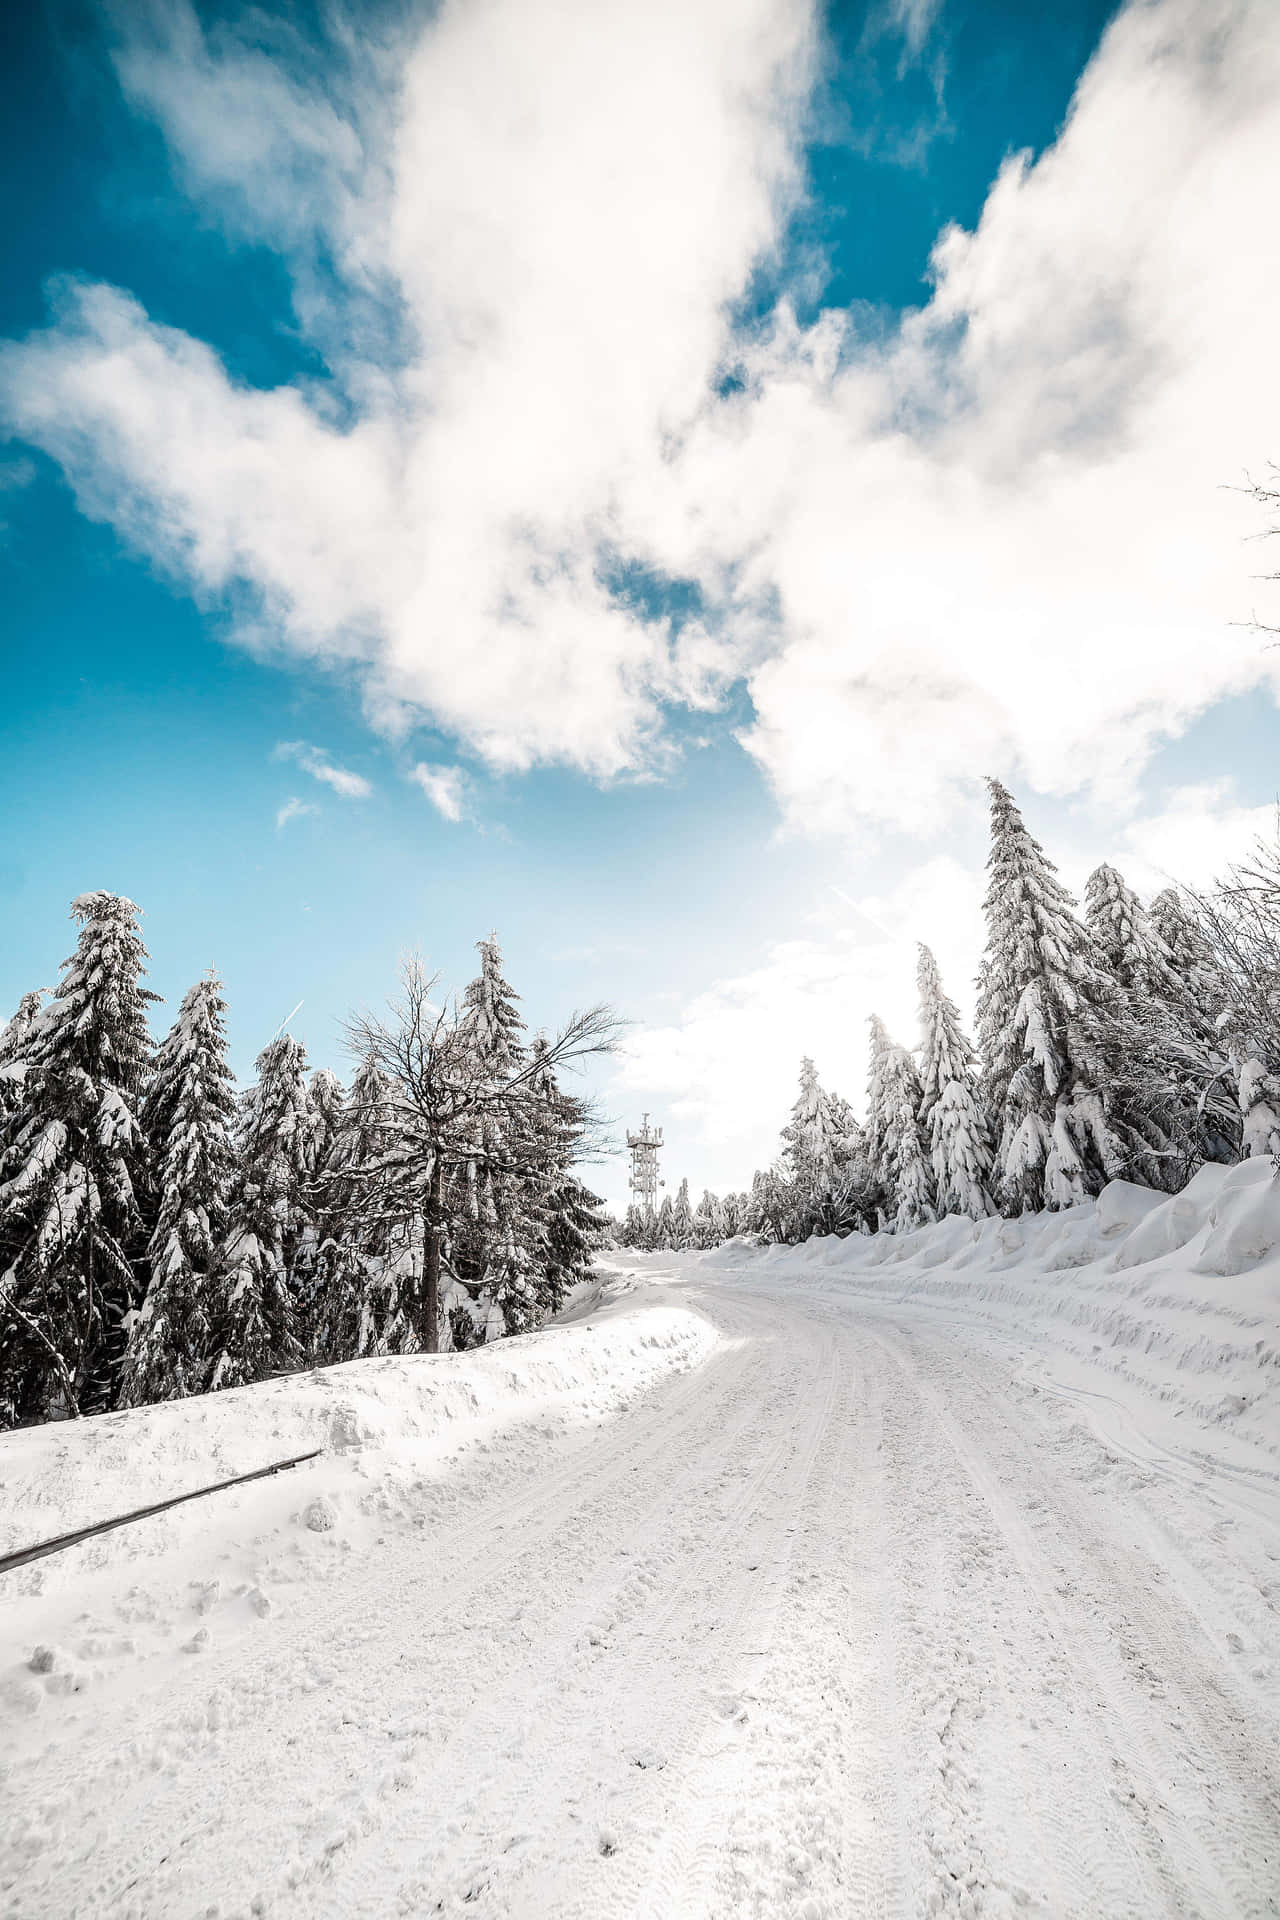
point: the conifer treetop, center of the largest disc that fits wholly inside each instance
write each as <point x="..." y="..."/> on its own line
<point x="97" y="1020"/>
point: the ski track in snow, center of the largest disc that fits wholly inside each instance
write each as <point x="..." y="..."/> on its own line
<point x="864" y="1616"/>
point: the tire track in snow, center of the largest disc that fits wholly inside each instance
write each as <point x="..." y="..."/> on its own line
<point x="1207" y="1841"/>
<point x="647" y="1674"/>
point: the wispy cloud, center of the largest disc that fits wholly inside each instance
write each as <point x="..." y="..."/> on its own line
<point x="445" y="787"/>
<point x="293" y="809"/>
<point x="313" y="760"/>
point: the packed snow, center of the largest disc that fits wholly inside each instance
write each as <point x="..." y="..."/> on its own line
<point x="898" y="1575"/>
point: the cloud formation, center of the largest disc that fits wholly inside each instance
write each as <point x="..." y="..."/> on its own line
<point x="314" y="760"/>
<point x="996" y="540"/>
<point x="445" y="788"/>
<point x="293" y="809"/>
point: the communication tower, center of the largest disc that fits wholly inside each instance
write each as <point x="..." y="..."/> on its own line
<point x="644" y="1165"/>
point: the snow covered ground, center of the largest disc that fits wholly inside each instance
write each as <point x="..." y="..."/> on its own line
<point x="932" y="1575"/>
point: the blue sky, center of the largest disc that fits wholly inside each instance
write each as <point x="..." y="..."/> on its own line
<point x="577" y="408"/>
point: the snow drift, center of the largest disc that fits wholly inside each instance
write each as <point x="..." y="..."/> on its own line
<point x="410" y="1414"/>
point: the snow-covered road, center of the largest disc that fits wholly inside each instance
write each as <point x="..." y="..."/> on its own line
<point x="859" y="1616"/>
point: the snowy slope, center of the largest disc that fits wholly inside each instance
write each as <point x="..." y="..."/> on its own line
<point x="938" y="1575"/>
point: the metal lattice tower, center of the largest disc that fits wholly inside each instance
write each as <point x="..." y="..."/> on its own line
<point x="644" y="1165"/>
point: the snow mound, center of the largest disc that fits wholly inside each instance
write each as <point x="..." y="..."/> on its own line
<point x="419" y="1411"/>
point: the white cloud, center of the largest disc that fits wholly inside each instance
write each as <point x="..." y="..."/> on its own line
<point x="445" y="787"/>
<point x="293" y="809"/>
<point x="997" y="541"/>
<point x="313" y="760"/>
<point x="725" y="1071"/>
<point x="1198" y="833"/>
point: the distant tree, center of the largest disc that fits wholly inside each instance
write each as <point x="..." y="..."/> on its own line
<point x="708" y="1221"/>
<point x="682" y="1219"/>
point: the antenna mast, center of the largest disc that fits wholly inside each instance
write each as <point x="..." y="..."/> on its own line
<point x="644" y="1166"/>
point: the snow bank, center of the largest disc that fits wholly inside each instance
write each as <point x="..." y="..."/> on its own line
<point x="415" y="1412"/>
<point x="1177" y="1298"/>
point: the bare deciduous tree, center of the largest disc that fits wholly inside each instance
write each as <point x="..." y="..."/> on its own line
<point x="439" y="1092"/>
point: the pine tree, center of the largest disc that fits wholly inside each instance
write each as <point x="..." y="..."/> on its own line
<point x="1123" y="933"/>
<point x="903" y="1170"/>
<point x="1259" y="1109"/>
<point x="810" y="1136"/>
<point x="682" y="1219"/>
<point x="664" y="1227"/>
<point x="71" y="1159"/>
<point x="1204" y="991"/>
<point x="17" y="1041"/>
<point x="1049" y="1020"/>
<point x="490" y="1236"/>
<point x="254" y="1305"/>
<point x="357" y="1295"/>
<point x="708" y="1221"/>
<point x="949" y="1113"/>
<point x="1172" y="1084"/>
<point x="573" y="1221"/>
<point x="328" y="1111"/>
<point x="187" y="1117"/>
<point x="876" y="1143"/>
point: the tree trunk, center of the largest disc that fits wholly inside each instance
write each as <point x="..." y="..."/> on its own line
<point x="430" y="1330"/>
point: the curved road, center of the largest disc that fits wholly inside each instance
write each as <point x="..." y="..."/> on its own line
<point x="849" y="1621"/>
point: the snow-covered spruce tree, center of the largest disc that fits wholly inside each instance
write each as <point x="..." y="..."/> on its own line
<point x="664" y="1226"/>
<point x="1259" y="1093"/>
<point x="883" y="1199"/>
<point x="357" y="1292"/>
<point x="950" y="1112"/>
<point x="1124" y="935"/>
<point x="1174" y="918"/>
<point x="254" y="1305"/>
<point x="71" y="1159"/>
<point x="1173" y="1080"/>
<point x="571" y="1217"/>
<point x="187" y="1116"/>
<point x="708" y="1221"/>
<point x="328" y="1113"/>
<point x="1050" y="1033"/>
<point x="822" y="1172"/>
<point x="682" y="1218"/>
<point x="902" y="1169"/>
<point x="491" y="1233"/>
<point x="17" y="1040"/>
<point x="809" y="1137"/>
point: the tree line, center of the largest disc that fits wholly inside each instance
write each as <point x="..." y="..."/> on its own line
<point x="1128" y="1042"/>
<point x="163" y="1235"/>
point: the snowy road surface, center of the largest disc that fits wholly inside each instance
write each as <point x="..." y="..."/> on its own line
<point x="859" y="1616"/>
